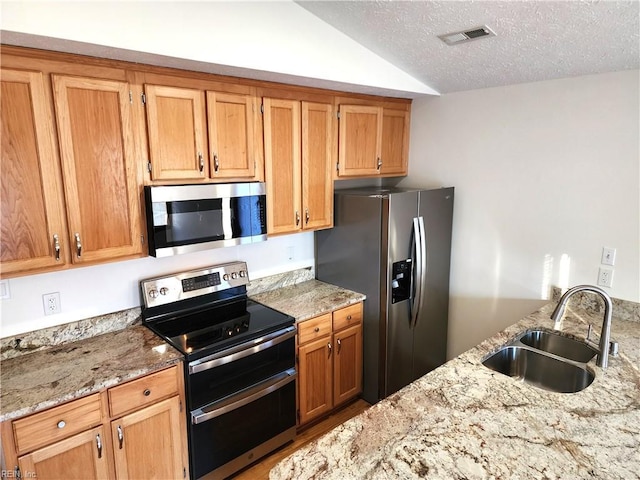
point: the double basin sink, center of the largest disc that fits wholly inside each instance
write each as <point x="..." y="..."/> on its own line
<point x="545" y="359"/>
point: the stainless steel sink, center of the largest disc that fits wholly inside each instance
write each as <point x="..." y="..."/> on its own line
<point x="543" y="371"/>
<point x="559" y="345"/>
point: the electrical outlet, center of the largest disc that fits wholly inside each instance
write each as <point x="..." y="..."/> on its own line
<point x="608" y="256"/>
<point x="51" y="303"/>
<point x="605" y="277"/>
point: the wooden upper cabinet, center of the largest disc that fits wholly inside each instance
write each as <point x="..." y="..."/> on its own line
<point x="360" y="140"/>
<point x="282" y="164"/>
<point x="176" y="120"/>
<point x="232" y="150"/>
<point x="395" y="142"/>
<point x="317" y="165"/>
<point x="33" y="228"/>
<point x="98" y="164"/>
<point x="299" y="153"/>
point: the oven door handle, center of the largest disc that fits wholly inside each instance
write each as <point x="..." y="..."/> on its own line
<point x="241" y="351"/>
<point x="243" y="398"/>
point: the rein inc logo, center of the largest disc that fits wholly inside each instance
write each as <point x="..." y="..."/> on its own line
<point x="17" y="473"/>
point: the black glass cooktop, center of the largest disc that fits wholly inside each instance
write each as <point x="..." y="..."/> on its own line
<point x="202" y="332"/>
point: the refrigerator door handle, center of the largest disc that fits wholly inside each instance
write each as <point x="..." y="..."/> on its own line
<point x="417" y="273"/>
<point x="422" y="258"/>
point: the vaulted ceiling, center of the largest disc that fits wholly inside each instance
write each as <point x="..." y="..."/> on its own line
<point x="535" y="40"/>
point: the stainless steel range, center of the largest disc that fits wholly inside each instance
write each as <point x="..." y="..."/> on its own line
<point x="239" y="365"/>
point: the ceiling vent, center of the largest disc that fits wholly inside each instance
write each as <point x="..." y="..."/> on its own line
<point x="466" y="35"/>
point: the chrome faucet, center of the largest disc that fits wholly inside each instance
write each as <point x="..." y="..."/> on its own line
<point x="605" y="334"/>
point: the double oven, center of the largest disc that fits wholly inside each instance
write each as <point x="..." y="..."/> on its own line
<point x="240" y="376"/>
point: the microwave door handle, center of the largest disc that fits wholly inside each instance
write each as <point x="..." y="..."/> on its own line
<point x="416" y="273"/>
<point x="243" y="398"/>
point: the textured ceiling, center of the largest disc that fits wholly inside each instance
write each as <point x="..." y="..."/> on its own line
<point x="535" y="40"/>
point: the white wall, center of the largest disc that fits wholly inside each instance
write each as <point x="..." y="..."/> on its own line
<point x="89" y="291"/>
<point x="272" y="36"/>
<point x="546" y="174"/>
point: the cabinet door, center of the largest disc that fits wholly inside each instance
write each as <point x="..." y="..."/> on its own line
<point x="230" y="120"/>
<point x="32" y="201"/>
<point x="176" y="128"/>
<point x="315" y="378"/>
<point x="282" y="165"/>
<point x="149" y="443"/>
<point x="317" y="165"/>
<point x="100" y="181"/>
<point x="81" y="457"/>
<point x="395" y="142"/>
<point x="347" y="373"/>
<point x="360" y="140"/>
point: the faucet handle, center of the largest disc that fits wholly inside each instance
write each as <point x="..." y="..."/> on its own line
<point x="589" y="332"/>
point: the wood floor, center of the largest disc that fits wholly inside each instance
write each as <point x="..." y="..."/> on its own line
<point x="260" y="470"/>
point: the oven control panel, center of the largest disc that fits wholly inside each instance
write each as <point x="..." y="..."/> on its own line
<point x="179" y="286"/>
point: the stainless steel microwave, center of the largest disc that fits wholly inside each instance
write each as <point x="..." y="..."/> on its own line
<point x="189" y="218"/>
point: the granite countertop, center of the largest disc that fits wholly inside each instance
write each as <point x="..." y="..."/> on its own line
<point x="51" y="376"/>
<point x="308" y="299"/>
<point x="464" y="420"/>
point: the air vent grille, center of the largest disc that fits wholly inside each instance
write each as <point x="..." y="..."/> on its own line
<point x="455" y="38"/>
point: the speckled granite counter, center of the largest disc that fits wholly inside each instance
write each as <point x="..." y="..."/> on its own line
<point x="308" y="299"/>
<point x="51" y="376"/>
<point x="466" y="421"/>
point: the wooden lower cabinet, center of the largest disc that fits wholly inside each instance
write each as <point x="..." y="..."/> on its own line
<point x="80" y="457"/>
<point x="147" y="441"/>
<point x="329" y="361"/>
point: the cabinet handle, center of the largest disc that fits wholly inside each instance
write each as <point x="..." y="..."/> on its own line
<point x="78" y="245"/>
<point x="216" y="163"/>
<point x="99" y="445"/>
<point x="306" y="216"/>
<point x="339" y="345"/>
<point x="297" y="218"/>
<point x="61" y="424"/>
<point x="56" y="246"/>
<point x="120" y="437"/>
<point x="379" y="163"/>
<point x="146" y="392"/>
<point x="329" y="347"/>
<point x="201" y="161"/>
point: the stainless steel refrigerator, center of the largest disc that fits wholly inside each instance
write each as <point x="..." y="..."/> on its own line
<point x="393" y="245"/>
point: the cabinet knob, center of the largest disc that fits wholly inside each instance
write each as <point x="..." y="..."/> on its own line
<point x="348" y="318"/>
<point x="62" y="424"/>
<point x="317" y="329"/>
<point x="146" y="392"/>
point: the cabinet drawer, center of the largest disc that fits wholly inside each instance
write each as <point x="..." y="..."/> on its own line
<point x="57" y="423"/>
<point x="314" y="328"/>
<point x="347" y="317"/>
<point x="143" y="391"/>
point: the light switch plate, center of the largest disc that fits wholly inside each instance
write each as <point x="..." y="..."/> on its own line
<point x="608" y="256"/>
<point x="5" y="291"/>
